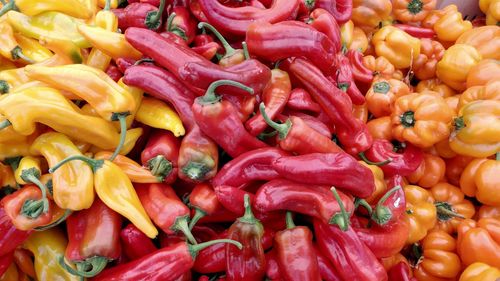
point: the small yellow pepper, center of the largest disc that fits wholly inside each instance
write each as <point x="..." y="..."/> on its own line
<point x="134" y="171"/>
<point x="9" y="48"/>
<point x="63" y="47"/>
<point x="397" y="46"/>
<point x="359" y="40"/>
<point x="491" y="8"/>
<point x="32" y="48"/>
<point x="132" y="137"/>
<point x="451" y="25"/>
<point x="455" y="65"/>
<point x="29" y="171"/>
<point x="107" y="20"/>
<point x="111" y="43"/>
<point x="157" y="114"/>
<point x="74" y="8"/>
<point x="137" y="94"/>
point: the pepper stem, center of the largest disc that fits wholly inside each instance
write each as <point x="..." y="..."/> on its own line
<point x="246" y="53"/>
<point x="55" y="223"/>
<point x="181" y="224"/>
<point x="195" y="170"/>
<point x="17" y="53"/>
<point x="153" y="18"/>
<point x="248" y="216"/>
<point x="175" y="30"/>
<point x="289" y="220"/>
<point x="35" y="208"/>
<point x="198" y="214"/>
<point x="160" y="167"/>
<point x="4" y="124"/>
<point x="367" y="161"/>
<point x="497" y="156"/>
<point x="229" y="50"/>
<point x="4" y="87"/>
<point x="341" y="219"/>
<point x="121" y="117"/>
<point x="32" y="175"/>
<point x="381" y="87"/>
<point x="90" y="267"/>
<point x="362" y="202"/>
<point x="415" y="6"/>
<point x="144" y="60"/>
<point x="210" y="96"/>
<point x="195" y="249"/>
<point x="459" y="123"/>
<point x="408" y="119"/>
<point x="107" y="5"/>
<point x="93" y="163"/>
<point x="282" y="129"/>
<point x="382" y="214"/>
<point x="3" y="2"/>
<point x="445" y="211"/>
<point x="7" y="7"/>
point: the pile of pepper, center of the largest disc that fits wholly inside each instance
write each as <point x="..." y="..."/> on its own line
<point x="249" y="140"/>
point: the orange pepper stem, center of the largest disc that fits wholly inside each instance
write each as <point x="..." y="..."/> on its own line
<point x="4" y="87"/>
<point x="408" y="119"/>
<point x="445" y="211"/>
<point x="121" y="117"/>
<point x="153" y="19"/>
<point x="7" y="7"/>
<point x="4" y="124"/>
<point x="282" y="129"/>
<point x="211" y="97"/>
<point x="341" y="219"/>
<point x="289" y="220"/>
<point x="57" y="222"/>
<point x="160" y="167"/>
<point x="367" y="161"/>
<point x="195" y="249"/>
<point x="382" y="214"/>
<point x="181" y="224"/>
<point x="415" y="6"/>
<point x="362" y="202"/>
<point x="17" y="53"/>
<point x="229" y="50"/>
<point x="93" y="163"/>
<point x="198" y="214"/>
<point x="246" y="54"/>
<point x="90" y="267"/>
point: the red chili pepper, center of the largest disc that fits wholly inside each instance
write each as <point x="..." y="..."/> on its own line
<point x="392" y="163"/>
<point x="310" y="121"/>
<point x="166" y="264"/>
<point x="142" y="15"/>
<point x="114" y="72"/>
<point x="416" y="31"/>
<point x="215" y="118"/>
<point x="11" y="236"/>
<point x="352" y="133"/>
<point x="204" y="200"/>
<point x="275" y="97"/>
<point x="208" y="51"/>
<point x="244" y="105"/>
<point x="198" y="157"/>
<point x="194" y="7"/>
<point x="235" y="21"/>
<point x="171" y="239"/>
<point x="251" y="166"/>
<point x="165" y="209"/>
<point x="282" y="40"/>
<point x="135" y="243"/>
<point x="350" y="256"/>
<point x="400" y="272"/>
<point x="301" y="100"/>
<point x="324" y="22"/>
<point x="202" y="39"/>
<point x="360" y="72"/>
<point x="340" y="9"/>
<point x="296" y="136"/>
<point x="174" y="37"/>
<point x="192" y="69"/>
<point x="181" y="23"/>
<point x="161" y="155"/>
<point x="5" y="261"/>
<point x="231" y="56"/>
<point x="272" y="267"/>
<point x="338" y="169"/>
<point x="248" y="263"/>
<point x="296" y="256"/>
<point x="93" y="236"/>
<point x="345" y="81"/>
<point x="305" y="7"/>
<point x="124" y="63"/>
<point x="326" y="269"/>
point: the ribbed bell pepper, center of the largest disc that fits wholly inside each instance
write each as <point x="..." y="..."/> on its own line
<point x="479" y="271"/>
<point x="486" y="39"/>
<point x="420" y="211"/>
<point x="480" y="179"/>
<point x="456" y="63"/>
<point x="397" y="46"/>
<point x="383" y="93"/>
<point x="479" y="241"/>
<point x="368" y="14"/>
<point x="487" y="70"/>
<point x="412" y="10"/>
<point x="451" y="25"/>
<point x="430" y="171"/>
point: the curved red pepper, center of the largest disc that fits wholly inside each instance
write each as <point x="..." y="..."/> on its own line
<point x="345" y="81"/>
<point x="416" y="31"/>
<point x="114" y="72"/>
<point x="350" y="256"/>
<point x="400" y="272"/>
<point x="235" y="21"/>
<point x="161" y="155"/>
<point x="250" y="166"/>
<point x="352" y="133"/>
<point x="204" y="200"/>
<point x="282" y="40"/>
<point x="301" y="100"/>
<point x="384" y="242"/>
<point x="141" y="15"/>
<point x="400" y="163"/>
<point x="174" y="37"/>
<point x="244" y="105"/>
<point x="326" y="269"/>
<point x="124" y="63"/>
<point x="360" y="72"/>
<point x="311" y="121"/>
<point x="324" y="22"/>
<point x="11" y="236"/>
<point x="182" y="24"/>
<point x="215" y="118"/>
<point x="272" y="267"/>
<point x="296" y="256"/>
<point x="208" y="51"/>
<point x="338" y="169"/>
<point x="340" y="9"/>
<point x="312" y="200"/>
<point x="194" y="7"/>
<point x="135" y="243"/>
<point x="5" y="261"/>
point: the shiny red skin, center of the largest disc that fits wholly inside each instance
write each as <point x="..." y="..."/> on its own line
<point x="360" y="72"/>
<point x="11" y="236"/>
<point x="163" y="143"/>
<point x="400" y="272"/>
<point x="326" y="269"/>
<point x="135" y="243"/>
<point x="340" y="9"/>
<point x="403" y="163"/>
<point x="416" y="31"/>
<point x="345" y="78"/>
<point x="324" y="22"/>
<point x="301" y="100"/>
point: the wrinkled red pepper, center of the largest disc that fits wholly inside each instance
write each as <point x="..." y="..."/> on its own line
<point x="416" y="31"/>
<point x="142" y="15"/>
<point x="301" y="100"/>
<point x="208" y="50"/>
<point x="231" y="56"/>
<point x="135" y="243"/>
<point x="326" y="269"/>
<point x="181" y="23"/>
<point x="360" y="72"/>
<point x="11" y="236"/>
<point x="324" y="22"/>
<point x="340" y="9"/>
<point x="344" y="80"/>
<point x="161" y="155"/>
<point x="311" y="121"/>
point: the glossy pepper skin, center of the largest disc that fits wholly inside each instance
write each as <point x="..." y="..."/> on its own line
<point x="397" y="46"/>
<point x="155" y="113"/>
<point x="420" y="211"/>
<point x="425" y="63"/>
<point x="360" y="72"/>
<point x="344" y="80"/>
<point x="340" y="9"/>
<point x="108" y="21"/>
<point x="204" y="201"/>
<point x="451" y="25"/>
<point x="340" y="170"/>
<point x="6" y="261"/>
<point x="412" y="10"/>
<point x="73" y="8"/>
<point x="182" y="24"/>
<point x="383" y="93"/>
<point x="143" y="15"/>
<point x="12" y="237"/>
<point x="416" y="31"/>
<point x="483" y="73"/>
<point x="478" y="241"/>
<point x="235" y="21"/>
<point x="455" y="64"/>
<point x="324" y="22"/>
<point x="313" y="200"/>
<point x="301" y="100"/>
<point x="349" y="255"/>
<point x="248" y="263"/>
<point x="161" y="154"/>
<point x="430" y="172"/>
<point x="134" y="171"/>
<point x="479" y="271"/>
<point x="480" y="179"/>
<point x="134" y="243"/>
<point x="272" y="42"/>
<point x="484" y="39"/>
<point x="93" y="236"/>
<point x="351" y="132"/>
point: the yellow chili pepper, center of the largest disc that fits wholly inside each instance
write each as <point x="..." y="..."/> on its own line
<point x="455" y="65"/>
<point x="73" y="185"/>
<point x="347" y="33"/>
<point x="157" y="114"/>
<point x="477" y="129"/>
<point x="451" y="25"/>
<point x="134" y="171"/>
<point x="132" y="137"/>
<point x="397" y="46"/>
<point x="32" y="48"/>
<point x="28" y="171"/>
<point x="47" y="246"/>
<point x="75" y="8"/>
<point x="491" y="8"/>
<point x="111" y="43"/>
<point x="19" y="148"/>
<point x="116" y="191"/>
<point x="9" y="47"/>
<point x="107" y="20"/>
<point x="9" y="134"/>
<point x="63" y="47"/>
<point x="137" y="94"/>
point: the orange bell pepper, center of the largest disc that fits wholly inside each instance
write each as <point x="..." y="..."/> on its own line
<point x="490" y="91"/>
<point x="479" y="241"/>
<point x="439" y="258"/>
<point x="437" y="86"/>
<point x="484" y="72"/>
<point x="455" y="65"/>
<point x="451" y="207"/>
<point x="380" y="185"/>
<point x="434" y="15"/>
<point x="444" y="150"/>
<point x="397" y="46"/>
<point x="455" y="167"/>
<point x="430" y="172"/>
<point x="481" y="178"/>
<point x="368" y="14"/>
<point x="486" y="211"/>
<point x="452" y="102"/>
<point x="486" y="39"/>
<point x="491" y="8"/>
<point x="382" y="67"/>
<point x="424" y="65"/>
<point x="391" y="261"/>
<point x="359" y="40"/>
<point x="421" y="119"/>
<point x="380" y="128"/>
<point x="479" y="271"/>
<point x="412" y="10"/>
<point x="451" y="25"/>
<point x="383" y="93"/>
<point x="420" y="211"/>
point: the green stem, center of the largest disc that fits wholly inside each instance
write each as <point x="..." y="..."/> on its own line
<point x="361" y="202"/>
<point x="415" y="6"/>
<point x="367" y="161"/>
<point x="198" y="214"/>
<point x="181" y="224"/>
<point x="497" y="156"/>
<point x="107" y="6"/>
<point x="90" y="267"/>
<point x="4" y="87"/>
<point x="229" y="50"/>
<point x="153" y="18"/>
<point x="3" y="2"/>
<point x="196" y="170"/>
<point x="381" y="87"/>
<point x="123" y="131"/>
<point x="4" y="124"/>
<point x="341" y="219"/>
<point x="93" y="163"/>
<point x="289" y="220"/>
<point x="7" y="7"/>
<point x="170" y="19"/>
<point x="382" y="214"/>
<point x="34" y="208"/>
<point x="17" y="53"/>
<point x="195" y="249"/>
<point x="57" y="222"/>
<point x="408" y="119"/>
<point x="246" y="53"/>
<point x="263" y="136"/>
<point x="13" y="162"/>
<point x="282" y="129"/>
<point x="32" y="175"/>
<point x="210" y="95"/>
<point x="445" y="211"/>
<point x="160" y="167"/>
<point x="248" y="217"/>
<point x="144" y="60"/>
